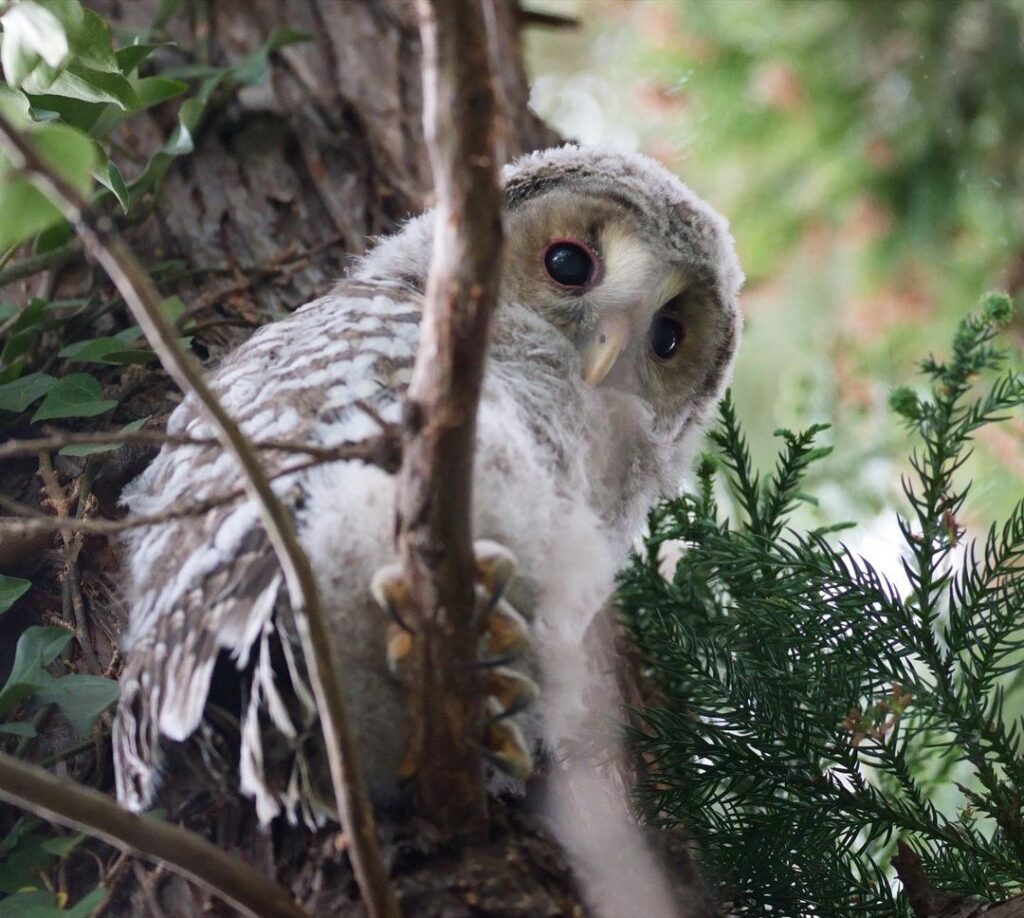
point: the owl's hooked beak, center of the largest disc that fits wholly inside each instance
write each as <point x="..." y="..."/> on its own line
<point x="606" y="343"/>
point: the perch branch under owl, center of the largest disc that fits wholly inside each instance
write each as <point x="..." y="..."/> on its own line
<point x="105" y="246"/>
<point x="461" y="121"/>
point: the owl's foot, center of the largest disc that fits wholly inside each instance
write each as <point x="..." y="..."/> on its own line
<point x="505" y="637"/>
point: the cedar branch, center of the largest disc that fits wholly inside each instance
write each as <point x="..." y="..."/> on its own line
<point x="434" y="488"/>
<point x="105" y="245"/>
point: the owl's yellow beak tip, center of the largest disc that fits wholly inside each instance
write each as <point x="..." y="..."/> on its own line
<point x="604" y="347"/>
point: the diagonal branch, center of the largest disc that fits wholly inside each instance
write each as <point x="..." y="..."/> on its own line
<point x="86" y="810"/>
<point x="104" y="245"/>
<point x="435" y="484"/>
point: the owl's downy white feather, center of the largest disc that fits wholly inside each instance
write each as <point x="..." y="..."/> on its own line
<point x="561" y="462"/>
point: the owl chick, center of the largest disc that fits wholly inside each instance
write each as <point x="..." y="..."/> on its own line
<point x="614" y="337"/>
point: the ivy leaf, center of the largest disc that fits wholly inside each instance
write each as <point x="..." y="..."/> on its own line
<point x="18" y="395"/>
<point x="81" y="698"/>
<point x="18" y="728"/>
<point x="78" y="395"/>
<point x="111" y="179"/>
<point x="32" y="34"/>
<point x="62" y="845"/>
<point x="27" y="211"/>
<point x="37" y="648"/>
<point x="77" y="81"/>
<point x="251" y="70"/>
<point x="11" y="590"/>
<point x="89" y="449"/>
<point x="129" y="58"/>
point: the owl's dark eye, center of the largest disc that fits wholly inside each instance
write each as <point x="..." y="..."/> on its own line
<point x="666" y="334"/>
<point x="569" y="264"/>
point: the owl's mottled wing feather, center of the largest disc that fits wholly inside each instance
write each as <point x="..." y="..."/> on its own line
<point x="202" y="586"/>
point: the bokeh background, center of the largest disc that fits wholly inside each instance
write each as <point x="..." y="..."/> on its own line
<point x="870" y="157"/>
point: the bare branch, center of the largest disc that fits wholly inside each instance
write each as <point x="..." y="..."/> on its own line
<point x="434" y="490"/>
<point x="104" y="245"/>
<point x="86" y="810"/>
<point x="384" y="451"/>
<point x="927" y="902"/>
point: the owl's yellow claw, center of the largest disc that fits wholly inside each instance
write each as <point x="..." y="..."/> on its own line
<point x="495" y="567"/>
<point x="506" y="746"/>
<point x="389" y="589"/>
<point x="512" y="690"/>
<point x="506" y="634"/>
<point x="399" y="652"/>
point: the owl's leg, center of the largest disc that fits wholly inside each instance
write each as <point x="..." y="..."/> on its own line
<point x="505" y="638"/>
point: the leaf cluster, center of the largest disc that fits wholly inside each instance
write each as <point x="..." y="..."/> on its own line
<point x="815" y="712"/>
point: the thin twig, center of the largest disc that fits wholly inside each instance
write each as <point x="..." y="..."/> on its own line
<point x="434" y="490"/>
<point x="383" y="450"/>
<point x="26" y="267"/>
<point x="86" y="810"/>
<point x="31" y="520"/>
<point x="104" y="245"/>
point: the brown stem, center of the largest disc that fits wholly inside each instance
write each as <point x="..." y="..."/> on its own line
<point x="104" y="245"/>
<point x="86" y="810"/>
<point x="378" y="451"/>
<point x="434" y="488"/>
<point x="928" y="902"/>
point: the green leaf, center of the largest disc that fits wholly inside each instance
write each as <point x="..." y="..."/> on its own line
<point x="62" y="845"/>
<point x="32" y="35"/>
<point x="18" y="728"/>
<point x="129" y="58"/>
<point x="53" y="238"/>
<point x="105" y="350"/>
<point x="75" y="112"/>
<point x="252" y="69"/>
<point x="91" y="44"/>
<point x="89" y="449"/>
<point x="87" y="904"/>
<point x="156" y="89"/>
<point x="77" y="81"/>
<point x="18" y="395"/>
<point x="78" y="395"/>
<point x="172" y="308"/>
<point x="11" y="590"/>
<point x="27" y="211"/>
<point x="15" y="106"/>
<point x="91" y="350"/>
<point x="37" y="648"/>
<point x="111" y="179"/>
<point x="81" y="698"/>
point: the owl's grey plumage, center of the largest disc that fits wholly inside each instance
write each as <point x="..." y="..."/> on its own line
<point x="612" y="342"/>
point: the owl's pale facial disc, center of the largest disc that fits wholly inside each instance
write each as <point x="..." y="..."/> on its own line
<point x="640" y="316"/>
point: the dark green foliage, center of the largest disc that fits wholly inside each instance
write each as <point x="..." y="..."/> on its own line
<point x="813" y="713"/>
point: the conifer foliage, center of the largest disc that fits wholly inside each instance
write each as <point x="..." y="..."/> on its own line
<point x="811" y="713"/>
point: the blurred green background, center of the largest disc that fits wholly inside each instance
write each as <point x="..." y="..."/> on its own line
<point x="870" y="157"/>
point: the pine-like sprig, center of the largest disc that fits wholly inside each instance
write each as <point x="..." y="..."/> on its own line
<point x="812" y="712"/>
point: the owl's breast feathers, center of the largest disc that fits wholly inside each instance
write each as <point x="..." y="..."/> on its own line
<point x="205" y="587"/>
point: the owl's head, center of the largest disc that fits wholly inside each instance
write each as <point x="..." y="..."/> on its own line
<point x="622" y="258"/>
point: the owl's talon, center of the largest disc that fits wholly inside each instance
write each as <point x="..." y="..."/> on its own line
<point x="505" y="745"/>
<point x="495" y="567"/>
<point x="506" y="634"/>
<point x="511" y="690"/>
<point x="391" y="593"/>
<point x="399" y="652"/>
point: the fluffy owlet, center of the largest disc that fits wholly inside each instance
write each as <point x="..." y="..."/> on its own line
<point x="612" y="342"/>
